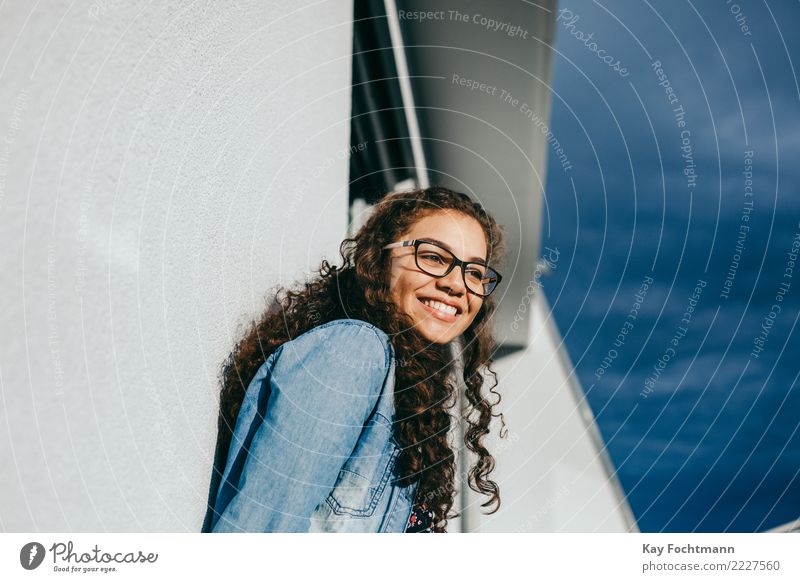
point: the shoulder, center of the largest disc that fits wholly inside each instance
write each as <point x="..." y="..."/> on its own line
<point x="342" y="344"/>
<point x="349" y="325"/>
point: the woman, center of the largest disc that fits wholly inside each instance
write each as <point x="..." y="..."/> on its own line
<point x="340" y="393"/>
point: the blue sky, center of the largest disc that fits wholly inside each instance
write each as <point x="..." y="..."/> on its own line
<point x="715" y="447"/>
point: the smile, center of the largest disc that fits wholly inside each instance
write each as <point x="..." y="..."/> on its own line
<point x="441" y="310"/>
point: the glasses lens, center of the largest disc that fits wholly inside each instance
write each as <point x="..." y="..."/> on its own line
<point x="480" y="279"/>
<point x="435" y="261"/>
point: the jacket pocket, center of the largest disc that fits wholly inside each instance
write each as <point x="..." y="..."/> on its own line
<point x="364" y="476"/>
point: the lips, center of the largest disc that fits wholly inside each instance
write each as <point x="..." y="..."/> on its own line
<point x="439" y="314"/>
<point x="459" y="310"/>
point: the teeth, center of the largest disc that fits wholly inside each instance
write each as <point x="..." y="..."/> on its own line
<point x="440" y="306"/>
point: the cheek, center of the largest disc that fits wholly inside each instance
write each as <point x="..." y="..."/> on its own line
<point x="399" y="286"/>
<point x="395" y="281"/>
<point x="407" y="282"/>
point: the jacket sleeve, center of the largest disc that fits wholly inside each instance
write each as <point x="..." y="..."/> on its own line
<point x="324" y="385"/>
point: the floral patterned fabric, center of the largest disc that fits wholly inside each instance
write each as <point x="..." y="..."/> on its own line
<point x="420" y="520"/>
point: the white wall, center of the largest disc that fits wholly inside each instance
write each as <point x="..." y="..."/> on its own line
<point x="161" y="166"/>
<point x="552" y="468"/>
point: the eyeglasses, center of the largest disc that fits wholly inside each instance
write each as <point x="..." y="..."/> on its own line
<point x="437" y="261"/>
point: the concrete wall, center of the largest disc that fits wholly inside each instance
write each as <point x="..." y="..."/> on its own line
<point x="552" y="469"/>
<point x="161" y="165"/>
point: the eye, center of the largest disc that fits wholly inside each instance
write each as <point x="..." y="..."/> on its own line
<point x="432" y="257"/>
<point x="476" y="274"/>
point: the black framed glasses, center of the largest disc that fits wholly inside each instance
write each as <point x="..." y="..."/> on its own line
<point x="435" y="260"/>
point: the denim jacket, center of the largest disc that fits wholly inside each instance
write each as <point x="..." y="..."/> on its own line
<point x="312" y="449"/>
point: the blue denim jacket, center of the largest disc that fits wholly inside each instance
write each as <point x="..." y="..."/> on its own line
<point x="318" y="455"/>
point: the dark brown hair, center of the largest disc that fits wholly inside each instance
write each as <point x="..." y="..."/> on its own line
<point x="424" y="389"/>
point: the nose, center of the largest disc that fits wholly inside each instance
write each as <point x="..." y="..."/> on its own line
<point x="453" y="281"/>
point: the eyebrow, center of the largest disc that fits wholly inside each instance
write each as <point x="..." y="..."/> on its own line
<point x="447" y="246"/>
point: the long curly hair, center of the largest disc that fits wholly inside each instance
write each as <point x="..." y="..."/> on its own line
<point x="424" y="371"/>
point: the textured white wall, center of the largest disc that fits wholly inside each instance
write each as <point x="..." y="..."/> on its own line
<point x="161" y="166"/>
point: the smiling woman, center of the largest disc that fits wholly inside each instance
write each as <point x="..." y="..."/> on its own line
<point x="441" y="293"/>
<point x="320" y="427"/>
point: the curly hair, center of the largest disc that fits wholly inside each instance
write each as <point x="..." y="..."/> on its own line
<point x="424" y="391"/>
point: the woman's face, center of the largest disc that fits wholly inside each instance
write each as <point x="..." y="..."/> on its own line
<point x="412" y="288"/>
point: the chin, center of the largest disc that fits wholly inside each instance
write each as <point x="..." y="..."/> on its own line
<point x="435" y="330"/>
<point x="441" y="340"/>
<point x="439" y="336"/>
